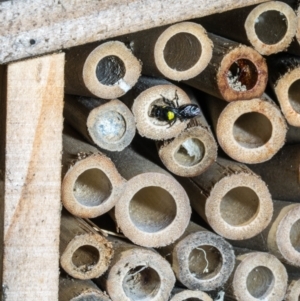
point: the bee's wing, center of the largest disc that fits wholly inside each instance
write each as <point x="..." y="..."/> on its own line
<point x="189" y="111"/>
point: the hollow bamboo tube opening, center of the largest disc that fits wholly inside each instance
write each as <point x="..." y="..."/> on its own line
<point x="270" y="27"/>
<point x="259" y="276"/>
<point x="293" y="291"/>
<point x="189" y="295"/>
<point x="251" y="131"/>
<point x="182" y="51"/>
<point x="107" y="71"/>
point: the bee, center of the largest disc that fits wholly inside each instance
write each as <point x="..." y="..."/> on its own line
<point x="172" y="111"/>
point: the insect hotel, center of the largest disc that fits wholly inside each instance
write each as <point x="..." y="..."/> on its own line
<point x="150" y="150"/>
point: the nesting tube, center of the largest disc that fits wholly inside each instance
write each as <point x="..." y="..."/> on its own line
<point x="235" y="72"/>
<point x="91" y="183"/>
<point x="178" y="52"/>
<point x="258" y="276"/>
<point x="281" y="173"/>
<point x="183" y="295"/>
<point x="108" y="124"/>
<point x="268" y="27"/>
<point x="192" y="151"/>
<point x="249" y="131"/>
<point x="85" y="254"/>
<point x="234" y="201"/>
<point x="80" y="290"/>
<point x="137" y="274"/>
<point x="107" y="71"/>
<point x="201" y="260"/>
<point x="154" y="210"/>
<point x="285" y="81"/>
<point x="293" y="291"/>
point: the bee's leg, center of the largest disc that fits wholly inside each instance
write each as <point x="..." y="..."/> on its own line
<point x="176" y="98"/>
<point x="167" y="101"/>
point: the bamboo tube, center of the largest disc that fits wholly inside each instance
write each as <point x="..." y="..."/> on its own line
<point x="148" y="92"/>
<point x="107" y="71"/>
<point x="91" y="184"/>
<point x="280" y="237"/>
<point x="235" y="72"/>
<point x="192" y="151"/>
<point x="109" y="125"/>
<point x="268" y="27"/>
<point x="249" y="131"/>
<point x="285" y="80"/>
<point x="85" y="254"/>
<point x="200" y="259"/>
<point x="234" y="201"/>
<point x="258" y="276"/>
<point x="137" y="274"/>
<point x="178" y="52"/>
<point x="189" y="295"/>
<point x="155" y="209"/>
<point x="281" y="173"/>
<point x="293" y="291"/>
<point x="80" y="290"/>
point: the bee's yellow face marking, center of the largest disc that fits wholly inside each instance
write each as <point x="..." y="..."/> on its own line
<point x="170" y="115"/>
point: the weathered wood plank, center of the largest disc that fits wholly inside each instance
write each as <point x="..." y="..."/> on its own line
<point x="32" y="178"/>
<point x="31" y="28"/>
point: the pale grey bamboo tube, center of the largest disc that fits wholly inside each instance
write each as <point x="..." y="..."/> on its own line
<point x="80" y="290"/>
<point x="200" y="259"/>
<point x="293" y="291"/>
<point x="257" y="276"/>
<point x="107" y="71"/>
<point x="154" y="210"/>
<point x="91" y="183"/>
<point x="178" y="52"/>
<point x="281" y="173"/>
<point x="285" y="81"/>
<point x="234" y="201"/>
<point x="192" y="151"/>
<point x="249" y="131"/>
<point x="148" y="92"/>
<point x="137" y="274"/>
<point x="189" y="295"/>
<point x="108" y="124"/>
<point x="280" y="237"/>
<point x="268" y="27"/>
<point x="235" y="72"/>
<point x="85" y="254"/>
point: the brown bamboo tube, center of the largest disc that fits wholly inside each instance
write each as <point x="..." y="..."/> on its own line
<point x="234" y="201"/>
<point x="249" y="131"/>
<point x="280" y="237"/>
<point x="154" y="210"/>
<point x="91" y="184"/>
<point x="268" y="27"/>
<point x="285" y="80"/>
<point x="281" y="173"/>
<point x="200" y="259"/>
<point x="192" y="151"/>
<point x="178" y="52"/>
<point x="80" y="290"/>
<point x="107" y="71"/>
<point x="257" y="276"/>
<point x="148" y="92"/>
<point x="235" y="72"/>
<point x="293" y="291"/>
<point x="189" y="295"/>
<point x="85" y="254"/>
<point x="108" y="124"/>
<point x="137" y="274"/>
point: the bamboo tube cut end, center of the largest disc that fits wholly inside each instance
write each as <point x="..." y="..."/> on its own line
<point x="251" y="131"/>
<point x="190" y="43"/>
<point x="270" y="27"/>
<point x="239" y="206"/>
<point x="188" y="295"/>
<point x="259" y="276"/>
<point x="111" y="70"/>
<point x="111" y="126"/>
<point x="154" y="211"/>
<point x="293" y="291"/>
<point x="92" y="186"/>
<point x="87" y="256"/>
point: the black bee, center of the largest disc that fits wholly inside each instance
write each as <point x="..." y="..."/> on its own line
<point x="172" y="111"/>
